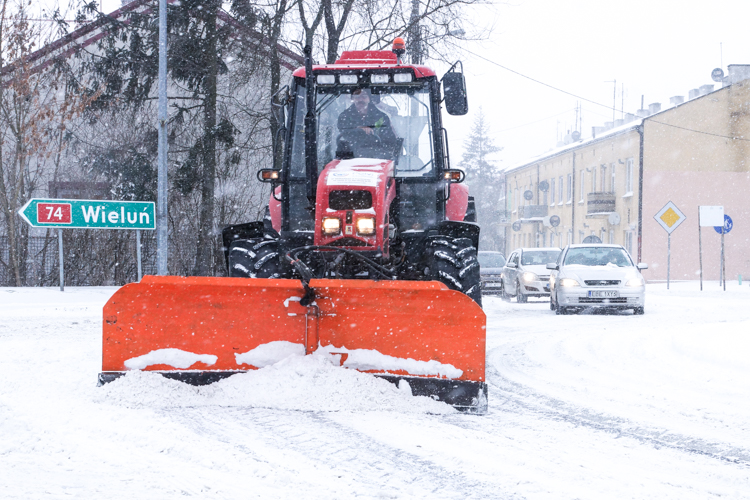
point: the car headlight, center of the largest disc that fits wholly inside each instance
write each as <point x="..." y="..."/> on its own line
<point x="366" y="226"/>
<point x="569" y="282"/>
<point x="636" y="282"/>
<point x="529" y="277"/>
<point x="331" y="225"/>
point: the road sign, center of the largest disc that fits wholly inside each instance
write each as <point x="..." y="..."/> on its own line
<point x="670" y="217"/>
<point x="554" y="220"/>
<point x="516" y="226"/>
<point x="710" y="216"/>
<point x="728" y="225"/>
<point x="89" y="214"/>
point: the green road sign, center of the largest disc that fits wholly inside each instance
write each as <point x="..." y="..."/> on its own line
<point x="91" y="214"/>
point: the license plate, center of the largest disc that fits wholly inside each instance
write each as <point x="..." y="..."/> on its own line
<point x="604" y="294"/>
<point x="490" y="284"/>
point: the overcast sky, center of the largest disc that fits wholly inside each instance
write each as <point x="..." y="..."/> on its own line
<point x="654" y="48"/>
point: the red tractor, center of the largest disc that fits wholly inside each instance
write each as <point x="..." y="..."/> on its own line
<point x="365" y="189"/>
<point x="368" y="255"/>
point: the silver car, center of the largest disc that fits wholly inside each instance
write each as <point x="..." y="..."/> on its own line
<point x="525" y="274"/>
<point x="596" y="276"/>
<point x="491" y="272"/>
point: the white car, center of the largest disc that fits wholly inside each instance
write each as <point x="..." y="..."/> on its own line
<point x="525" y="273"/>
<point x="596" y="276"/>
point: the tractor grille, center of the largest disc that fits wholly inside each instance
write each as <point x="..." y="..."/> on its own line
<point x="602" y="282"/>
<point x="590" y="300"/>
<point x="348" y="242"/>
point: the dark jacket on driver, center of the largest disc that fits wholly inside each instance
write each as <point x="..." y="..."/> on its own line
<point x="380" y="144"/>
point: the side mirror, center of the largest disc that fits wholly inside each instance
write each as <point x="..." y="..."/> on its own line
<point x="642" y="266"/>
<point x="552" y="266"/>
<point x="454" y="90"/>
<point x="511" y="264"/>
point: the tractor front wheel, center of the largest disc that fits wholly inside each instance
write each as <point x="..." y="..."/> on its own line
<point x="254" y="258"/>
<point x="453" y="261"/>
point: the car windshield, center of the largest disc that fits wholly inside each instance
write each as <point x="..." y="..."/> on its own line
<point x="389" y="122"/>
<point x="539" y="257"/>
<point x="598" y="256"/>
<point x="491" y="259"/>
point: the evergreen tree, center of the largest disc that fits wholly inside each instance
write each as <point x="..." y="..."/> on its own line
<point x="485" y="181"/>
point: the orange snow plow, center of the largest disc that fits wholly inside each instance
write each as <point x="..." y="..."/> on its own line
<point x="200" y="330"/>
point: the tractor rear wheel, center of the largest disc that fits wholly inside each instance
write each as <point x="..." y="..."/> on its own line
<point x="453" y="261"/>
<point x="254" y="258"/>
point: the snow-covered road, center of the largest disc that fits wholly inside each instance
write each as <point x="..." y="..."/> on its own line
<point x="581" y="407"/>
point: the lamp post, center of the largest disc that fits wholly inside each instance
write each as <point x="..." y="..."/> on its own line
<point x="162" y="232"/>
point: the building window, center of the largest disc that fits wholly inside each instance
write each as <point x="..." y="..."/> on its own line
<point x="570" y="236"/>
<point x="593" y="179"/>
<point x="611" y="236"/>
<point x="560" y="198"/>
<point x="581" y="236"/>
<point x="612" y="182"/>
<point x="604" y="179"/>
<point x="629" y="242"/>
<point x="552" y="191"/>
<point x="583" y="178"/>
<point x="545" y="196"/>
<point x="551" y="239"/>
<point x="629" y="177"/>
<point x="603" y="235"/>
<point x="515" y="201"/>
<point x="570" y="188"/>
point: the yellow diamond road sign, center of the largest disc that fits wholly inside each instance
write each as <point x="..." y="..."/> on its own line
<point x="669" y="217"/>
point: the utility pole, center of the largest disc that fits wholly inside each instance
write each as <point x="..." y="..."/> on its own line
<point x="614" y="99"/>
<point x="162" y="230"/>
<point x="415" y="34"/>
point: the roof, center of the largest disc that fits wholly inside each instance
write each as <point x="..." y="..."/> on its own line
<point x="92" y="32"/>
<point x="368" y="59"/>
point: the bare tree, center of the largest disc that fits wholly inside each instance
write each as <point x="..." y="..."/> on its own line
<point x="35" y="107"/>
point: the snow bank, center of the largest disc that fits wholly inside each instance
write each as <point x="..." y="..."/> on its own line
<point x="305" y="383"/>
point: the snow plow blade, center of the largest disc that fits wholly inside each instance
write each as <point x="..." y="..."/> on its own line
<point x="199" y="330"/>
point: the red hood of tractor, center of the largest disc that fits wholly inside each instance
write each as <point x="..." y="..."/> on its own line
<point x="368" y="59"/>
<point x="357" y="174"/>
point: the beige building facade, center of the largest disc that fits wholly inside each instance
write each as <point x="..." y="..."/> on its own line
<point x="609" y="188"/>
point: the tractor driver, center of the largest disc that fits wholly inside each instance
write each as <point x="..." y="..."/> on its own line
<point x="366" y="131"/>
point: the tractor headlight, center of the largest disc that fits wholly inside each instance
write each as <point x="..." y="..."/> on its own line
<point x="331" y="225"/>
<point x="569" y="282"/>
<point x="366" y="226"/>
<point x="636" y="282"/>
<point x="529" y="277"/>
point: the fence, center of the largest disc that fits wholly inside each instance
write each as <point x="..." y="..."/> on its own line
<point x="91" y="258"/>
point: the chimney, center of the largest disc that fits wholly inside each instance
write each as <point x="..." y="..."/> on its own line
<point x="676" y="100"/>
<point x="597" y="131"/>
<point x="738" y="72"/>
<point x="629" y="117"/>
<point x="654" y="108"/>
<point x="642" y="113"/>
<point x="706" y="89"/>
<point x="693" y="94"/>
<point x="607" y="125"/>
<point x="619" y="122"/>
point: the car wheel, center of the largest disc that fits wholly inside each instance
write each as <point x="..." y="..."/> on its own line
<point x="521" y="298"/>
<point x="551" y="304"/>
<point x="638" y="310"/>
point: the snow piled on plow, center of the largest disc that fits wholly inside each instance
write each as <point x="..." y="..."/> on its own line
<point x="303" y="383"/>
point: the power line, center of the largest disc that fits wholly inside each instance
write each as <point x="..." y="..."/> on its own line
<point x="538" y="81"/>
<point x="594" y="102"/>
<point x="699" y="131"/>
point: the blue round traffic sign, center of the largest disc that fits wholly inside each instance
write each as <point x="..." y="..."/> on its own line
<point x="726" y="227"/>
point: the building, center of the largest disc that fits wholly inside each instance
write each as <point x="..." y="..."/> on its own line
<point x="609" y="187"/>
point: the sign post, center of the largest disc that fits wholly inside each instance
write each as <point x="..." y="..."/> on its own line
<point x="669" y="217"/>
<point x="707" y="216"/>
<point x="723" y="229"/>
<point x="89" y="214"/>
